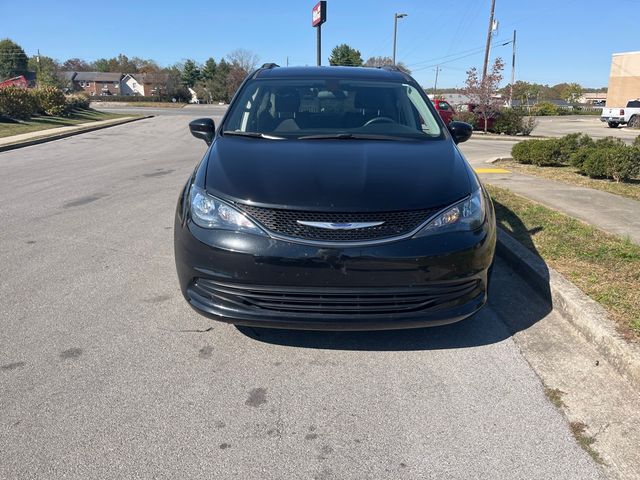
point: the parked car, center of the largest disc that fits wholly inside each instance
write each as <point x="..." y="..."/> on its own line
<point x="629" y="115"/>
<point x="333" y="198"/>
<point x="444" y="109"/>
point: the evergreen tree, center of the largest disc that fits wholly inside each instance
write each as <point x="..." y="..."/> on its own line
<point x="209" y="69"/>
<point x="345" y="55"/>
<point x="13" y="60"/>
<point x="190" y="73"/>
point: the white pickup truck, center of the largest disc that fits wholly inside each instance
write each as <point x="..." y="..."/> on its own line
<point x="629" y="115"/>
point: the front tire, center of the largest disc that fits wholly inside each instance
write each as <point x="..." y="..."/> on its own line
<point x="613" y="124"/>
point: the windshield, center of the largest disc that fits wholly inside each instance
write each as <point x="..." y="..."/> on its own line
<point x="331" y="108"/>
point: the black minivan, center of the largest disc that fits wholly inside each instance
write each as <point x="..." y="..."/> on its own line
<point x="333" y="198"/>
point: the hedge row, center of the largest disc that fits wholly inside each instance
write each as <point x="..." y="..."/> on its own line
<point x="21" y="103"/>
<point x="605" y="158"/>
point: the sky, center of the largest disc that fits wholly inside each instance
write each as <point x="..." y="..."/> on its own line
<point x="557" y="40"/>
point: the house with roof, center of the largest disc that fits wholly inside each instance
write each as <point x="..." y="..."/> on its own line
<point x="97" y="83"/>
<point x="144" y="84"/>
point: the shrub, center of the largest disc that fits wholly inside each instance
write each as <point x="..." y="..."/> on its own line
<point x="546" y="153"/>
<point x="636" y="142"/>
<point x="572" y="143"/>
<point x="16" y="102"/>
<point x="543" y="153"/>
<point x="78" y="101"/>
<point x="585" y="145"/>
<point x="509" y="121"/>
<point x="528" y="125"/>
<point x="468" y="117"/>
<point x="545" y="109"/>
<point x="521" y="152"/>
<point x="610" y="159"/>
<point x="50" y="100"/>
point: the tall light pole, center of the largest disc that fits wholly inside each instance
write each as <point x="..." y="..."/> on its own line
<point x="395" y="32"/>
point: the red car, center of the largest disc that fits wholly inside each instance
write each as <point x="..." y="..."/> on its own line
<point x="444" y="109"/>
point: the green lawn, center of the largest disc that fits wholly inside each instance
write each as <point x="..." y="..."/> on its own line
<point x="45" y="122"/>
<point x="606" y="267"/>
<point x="571" y="176"/>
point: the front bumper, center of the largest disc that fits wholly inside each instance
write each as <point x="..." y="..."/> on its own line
<point x="259" y="281"/>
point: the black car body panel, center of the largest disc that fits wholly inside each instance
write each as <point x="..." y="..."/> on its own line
<point x="337" y="175"/>
<point x="272" y="280"/>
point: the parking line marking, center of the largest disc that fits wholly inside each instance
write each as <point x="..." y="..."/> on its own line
<point x="491" y="170"/>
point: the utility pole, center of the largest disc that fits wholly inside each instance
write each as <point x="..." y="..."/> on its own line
<point x="513" y="68"/>
<point x="435" y="84"/>
<point x="396" y="16"/>
<point x="38" y="74"/>
<point x="486" y="50"/>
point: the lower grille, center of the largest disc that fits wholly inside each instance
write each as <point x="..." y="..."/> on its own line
<point x="343" y="301"/>
<point x="285" y="222"/>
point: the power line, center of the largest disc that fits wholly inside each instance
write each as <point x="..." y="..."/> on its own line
<point x="471" y="50"/>
<point x="501" y="44"/>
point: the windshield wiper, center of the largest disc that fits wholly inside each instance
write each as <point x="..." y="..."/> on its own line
<point x="251" y="135"/>
<point x="350" y="136"/>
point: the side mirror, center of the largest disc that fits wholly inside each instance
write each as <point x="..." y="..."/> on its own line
<point x="460" y="131"/>
<point x="203" y="128"/>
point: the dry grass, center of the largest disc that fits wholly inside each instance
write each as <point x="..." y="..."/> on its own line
<point x="571" y="176"/>
<point x="44" y="122"/>
<point x="555" y="395"/>
<point x="578" y="430"/>
<point x="606" y="267"/>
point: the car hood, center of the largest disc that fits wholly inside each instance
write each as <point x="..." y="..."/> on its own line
<point x="337" y="175"/>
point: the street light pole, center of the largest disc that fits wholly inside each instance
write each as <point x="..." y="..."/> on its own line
<point x="395" y="32"/>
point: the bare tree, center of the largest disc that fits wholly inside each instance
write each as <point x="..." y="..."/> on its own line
<point x="244" y="59"/>
<point x="482" y="93"/>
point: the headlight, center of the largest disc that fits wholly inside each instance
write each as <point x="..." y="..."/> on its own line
<point x="464" y="216"/>
<point x="209" y="212"/>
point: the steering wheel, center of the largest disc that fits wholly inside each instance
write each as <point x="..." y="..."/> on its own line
<point x="379" y="120"/>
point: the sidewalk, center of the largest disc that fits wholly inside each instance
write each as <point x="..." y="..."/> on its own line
<point x="606" y="211"/>
<point x="25" y="139"/>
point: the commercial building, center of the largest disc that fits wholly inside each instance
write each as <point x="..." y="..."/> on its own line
<point x="624" y="80"/>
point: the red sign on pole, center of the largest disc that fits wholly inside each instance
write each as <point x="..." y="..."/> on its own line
<point x="319" y="14"/>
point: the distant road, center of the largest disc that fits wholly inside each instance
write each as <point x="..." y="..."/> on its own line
<point x="191" y="110"/>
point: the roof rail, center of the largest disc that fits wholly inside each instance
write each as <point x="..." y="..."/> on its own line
<point x="269" y="65"/>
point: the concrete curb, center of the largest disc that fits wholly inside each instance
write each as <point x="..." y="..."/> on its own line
<point x="498" y="159"/>
<point x="58" y="136"/>
<point x="508" y="138"/>
<point x="585" y="314"/>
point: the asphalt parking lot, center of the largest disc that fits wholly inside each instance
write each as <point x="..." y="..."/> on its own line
<point x="105" y="371"/>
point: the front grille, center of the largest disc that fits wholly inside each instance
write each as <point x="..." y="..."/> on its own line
<point x="284" y="222"/>
<point x="342" y="301"/>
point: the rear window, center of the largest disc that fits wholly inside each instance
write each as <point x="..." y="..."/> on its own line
<point x="302" y="107"/>
<point x="633" y="104"/>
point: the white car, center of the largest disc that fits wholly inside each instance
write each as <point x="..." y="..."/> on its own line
<point x="629" y="115"/>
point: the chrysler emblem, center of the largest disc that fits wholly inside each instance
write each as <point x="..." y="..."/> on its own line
<point x="339" y="226"/>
